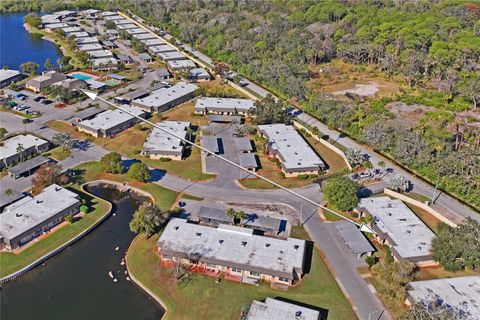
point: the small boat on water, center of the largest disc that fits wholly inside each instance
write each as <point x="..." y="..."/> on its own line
<point x="115" y="280"/>
<point x="116" y="249"/>
<point x="110" y="273"/>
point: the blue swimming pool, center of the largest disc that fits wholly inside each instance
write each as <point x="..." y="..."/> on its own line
<point x="81" y="76"/>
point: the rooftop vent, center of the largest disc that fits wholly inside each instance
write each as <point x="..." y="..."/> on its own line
<point x="296" y="246"/>
<point x="176" y="228"/>
<point x="298" y="314"/>
<point x="244" y="243"/>
<point x="267" y="245"/>
<point x="18" y="215"/>
<point x="198" y="234"/>
<point x="220" y="242"/>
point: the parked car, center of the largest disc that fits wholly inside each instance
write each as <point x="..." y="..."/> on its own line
<point x="39" y="98"/>
<point x="243" y="82"/>
<point x="366" y="174"/>
<point x="47" y="101"/>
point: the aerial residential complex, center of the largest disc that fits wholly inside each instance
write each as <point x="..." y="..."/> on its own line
<point x="293" y="152"/>
<point x="280" y="310"/>
<point x="47" y="78"/>
<point x="111" y="122"/>
<point x="166" y="98"/>
<point x="223" y="106"/>
<point x="162" y="145"/>
<point x="8" y="76"/>
<point x="20" y="147"/>
<point x="236" y="252"/>
<point x="397" y="226"/>
<point x="458" y="292"/>
<point x="31" y="216"/>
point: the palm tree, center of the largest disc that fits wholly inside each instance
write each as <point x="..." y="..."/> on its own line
<point x="20" y="149"/>
<point x="60" y="62"/>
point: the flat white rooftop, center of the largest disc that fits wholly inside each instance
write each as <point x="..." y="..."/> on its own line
<point x="144" y="36"/>
<point x="294" y="151"/>
<point x="161" y="49"/>
<point x="6" y="74"/>
<point x="136" y="31"/>
<point x="81" y="34"/>
<point x="233" y="246"/>
<point x="273" y="309"/>
<point x="31" y="211"/>
<point x="9" y="146"/>
<point x="411" y="237"/>
<point x="180" y="64"/>
<point x="103" y="61"/>
<point x="459" y="292"/>
<point x="97" y="54"/>
<point x="224" y="105"/>
<point x="70" y="30"/>
<point x="152" y="42"/>
<point x="111" y="118"/>
<point x="173" y="55"/>
<point x="161" y="142"/>
<point x="86" y="40"/>
<point x="164" y="96"/>
<point x="90" y="47"/>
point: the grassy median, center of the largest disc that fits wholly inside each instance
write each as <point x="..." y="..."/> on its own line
<point x="201" y="298"/>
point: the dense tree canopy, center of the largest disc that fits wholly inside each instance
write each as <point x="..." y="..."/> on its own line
<point x="139" y="171"/>
<point x="341" y="192"/>
<point x="458" y="248"/>
<point x="148" y="219"/>
<point x="112" y="163"/>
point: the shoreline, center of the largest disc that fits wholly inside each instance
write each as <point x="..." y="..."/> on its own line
<point x="63" y="246"/>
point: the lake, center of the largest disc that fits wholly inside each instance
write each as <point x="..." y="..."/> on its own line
<point x="75" y="283"/>
<point x="17" y="46"/>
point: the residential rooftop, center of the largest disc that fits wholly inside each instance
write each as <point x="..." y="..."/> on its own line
<point x="152" y="42"/>
<point x="457" y="292"/>
<point x="173" y="55"/>
<point x="243" y="144"/>
<point x="86" y="40"/>
<point x="234" y="247"/>
<point x="247" y="160"/>
<point x="353" y="237"/>
<point x="231" y="105"/>
<point x="6" y="74"/>
<point x="165" y="96"/>
<point x="112" y="118"/>
<point x="211" y="143"/>
<point x="199" y="73"/>
<point x="181" y="64"/>
<point x="90" y="47"/>
<point x="273" y="309"/>
<point x="409" y="236"/>
<point x="10" y="145"/>
<point x="160" y="142"/>
<point x="99" y="54"/>
<point x="295" y="153"/>
<point x="161" y="48"/>
<point x="144" y="36"/>
<point x="30" y="211"/>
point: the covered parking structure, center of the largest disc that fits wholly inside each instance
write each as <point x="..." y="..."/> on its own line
<point x="27" y="167"/>
<point x="354" y="239"/>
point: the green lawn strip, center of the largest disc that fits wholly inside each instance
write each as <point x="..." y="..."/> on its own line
<point x="18" y="113"/>
<point x="225" y="300"/>
<point x="190" y="197"/>
<point x="58" y="154"/>
<point x="10" y="262"/>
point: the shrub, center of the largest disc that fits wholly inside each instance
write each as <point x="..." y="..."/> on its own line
<point x="84" y="208"/>
<point x="303" y="176"/>
<point x="69" y="218"/>
<point x="165" y="159"/>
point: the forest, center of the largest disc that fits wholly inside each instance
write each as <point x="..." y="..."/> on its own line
<point x="430" y="48"/>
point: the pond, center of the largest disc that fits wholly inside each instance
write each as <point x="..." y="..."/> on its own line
<point x="75" y="283"/>
<point x="18" y="46"/>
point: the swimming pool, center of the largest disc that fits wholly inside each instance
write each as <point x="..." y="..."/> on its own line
<point x="81" y="76"/>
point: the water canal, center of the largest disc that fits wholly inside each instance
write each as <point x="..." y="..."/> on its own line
<point x="75" y="283"/>
<point x="18" y="46"/>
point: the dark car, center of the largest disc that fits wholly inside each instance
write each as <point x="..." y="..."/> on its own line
<point x="38" y="98"/>
<point x="46" y="101"/>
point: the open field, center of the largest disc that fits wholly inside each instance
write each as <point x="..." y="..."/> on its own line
<point x="184" y="112"/>
<point x="10" y="262"/>
<point x="186" y="300"/>
<point x="217" y="88"/>
<point x="58" y="154"/>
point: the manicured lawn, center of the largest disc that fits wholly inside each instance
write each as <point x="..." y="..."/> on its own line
<point x="58" y="154"/>
<point x="201" y="298"/>
<point x="10" y="262"/>
<point x="66" y="127"/>
<point x="185" y="112"/>
<point x="439" y="272"/>
<point x="164" y="198"/>
<point x="18" y="113"/>
<point x="334" y="161"/>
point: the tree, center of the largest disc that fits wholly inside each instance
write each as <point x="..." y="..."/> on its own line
<point x="148" y="219"/>
<point x="470" y="87"/>
<point x="392" y="279"/>
<point x="399" y="184"/>
<point x="60" y="62"/>
<point x="458" y="248"/>
<point x="270" y="111"/>
<point x="110" y="24"/>
<point x="20" y="148"/>
<point x="29" y="67"/>
<point x="236" y="216"/>
<point x="112" y="163"/>
<point x="355" y="157"/>
<point x="48" y="64"/>
<point x="33" y="20"/>
<point x="9" y="194"/>
<point x="3" y="132"/>
<point x="220" y="68"/>
<point x="63" y="139"/>
<point x="341" y="192"/>
<point x="371" y="261"/>
<point x="69" y="218"/>
<point x="139" y="171"/>
<point x="48" y="174"/>
<point x="137" y="45"/>
<point x="436" y="309"/>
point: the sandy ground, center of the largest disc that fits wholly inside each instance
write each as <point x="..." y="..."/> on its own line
<point x="365" y="90"/>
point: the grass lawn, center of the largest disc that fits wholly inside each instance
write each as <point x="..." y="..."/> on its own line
<point x="439" y="272"/>
<point x="10" y="262"/>
<point x="130" y="142"/>
<point x="164" y="198"/>
<point x="58" y="154"/>
<point x="217" y="88"/>
<point x="334" y="161"/>
<point x="187" y="300"/>
<point x="185" y="112"/>
<point x="431" y="221"/>
<point x="18" y="113"/>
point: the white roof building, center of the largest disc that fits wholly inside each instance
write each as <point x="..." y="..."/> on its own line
<point x="161" y="143"/>
<point x="273" y="309"/>
<point x="408" y="236"/>
<point x="224" y="105"/>
<point x="164" y="98"/>
<point x="9" y="146"/>
<point x="181" y="64"/>
<point x="458" y="292"/>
